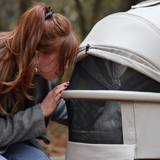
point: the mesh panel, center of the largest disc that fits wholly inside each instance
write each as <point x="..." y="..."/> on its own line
<point x="95" y="121"/>
<point x="132" y="80"/>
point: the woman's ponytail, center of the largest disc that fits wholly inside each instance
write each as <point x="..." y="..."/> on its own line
<point x="20" y="46"/>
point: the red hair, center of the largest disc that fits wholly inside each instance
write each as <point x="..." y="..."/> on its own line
<point x="18" y="47"/>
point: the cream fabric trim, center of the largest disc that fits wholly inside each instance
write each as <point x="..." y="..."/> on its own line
<point x="141" y="127"/>
<point x="85" y="151"/>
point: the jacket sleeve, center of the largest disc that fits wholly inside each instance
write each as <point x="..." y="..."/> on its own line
<point x="60" y="114"/>
<point x="22" y="126"/>
<point x="29" y="122"/>
<point x="42" y="89"/>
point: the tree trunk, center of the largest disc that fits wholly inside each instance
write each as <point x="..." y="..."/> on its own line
<point x="126" y="5"/>
<point x="82" y="21"/>
<point x="23" y="5"/>
<point x="96" y="9"/>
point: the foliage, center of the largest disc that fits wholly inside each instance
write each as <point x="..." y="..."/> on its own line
<point x="83" y="14"/>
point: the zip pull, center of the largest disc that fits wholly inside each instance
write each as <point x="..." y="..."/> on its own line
<point x="87" y="48"/>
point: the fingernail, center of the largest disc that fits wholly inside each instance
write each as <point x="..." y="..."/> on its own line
<point x="68" y="82"/>
<point x="60" y="92"/>
<point x="65" y="85"/>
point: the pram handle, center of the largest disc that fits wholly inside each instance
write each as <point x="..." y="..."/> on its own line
<point x="111" y="95"/>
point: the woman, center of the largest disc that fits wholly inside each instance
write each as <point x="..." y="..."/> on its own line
<point x="39" y="49"/>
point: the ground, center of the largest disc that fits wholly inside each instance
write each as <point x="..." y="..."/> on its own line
<point x="58" y="136"/>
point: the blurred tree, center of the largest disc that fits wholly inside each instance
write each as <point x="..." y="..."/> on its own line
<point x="90" y="12"/>
<point x="8" y="14"/>
<point x="83" y="14"/>
<point x="23" y="5"/>
<point x="10" y="11"/>
<point x="127" y="6"/>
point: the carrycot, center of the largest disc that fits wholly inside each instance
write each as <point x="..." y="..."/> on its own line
<point x="113" y="100"/>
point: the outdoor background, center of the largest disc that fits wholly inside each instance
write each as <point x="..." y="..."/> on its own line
<point x="83" y="14"/>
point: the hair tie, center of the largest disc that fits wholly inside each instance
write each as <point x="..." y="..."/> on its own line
<point x="49" y="14"/>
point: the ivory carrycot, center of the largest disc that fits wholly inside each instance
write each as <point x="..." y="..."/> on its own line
<point x="113" y="101"/>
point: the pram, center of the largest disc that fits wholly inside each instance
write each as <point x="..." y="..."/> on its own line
<point x="113" y="101"/>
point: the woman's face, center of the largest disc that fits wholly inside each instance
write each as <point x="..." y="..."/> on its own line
<point x="48" y="65"/>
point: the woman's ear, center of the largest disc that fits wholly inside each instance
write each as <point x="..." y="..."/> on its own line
<point x="37" y="60"/>
<point x="38" y="56"/>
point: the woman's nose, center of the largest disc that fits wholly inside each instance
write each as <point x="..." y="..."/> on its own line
<point x="66" y="66"/>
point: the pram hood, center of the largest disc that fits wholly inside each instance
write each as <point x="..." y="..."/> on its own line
<point x="129" y="38"/>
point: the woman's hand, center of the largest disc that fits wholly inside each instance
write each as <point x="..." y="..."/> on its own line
<point x="49" y="104"/>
